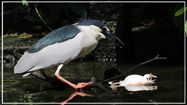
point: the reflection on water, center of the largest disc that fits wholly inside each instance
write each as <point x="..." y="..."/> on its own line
<point x="30" y="89"/>
<point x="140" y="88"/>
<point x="75" y="94"/>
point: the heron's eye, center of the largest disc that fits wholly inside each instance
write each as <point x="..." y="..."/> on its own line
<point x="103" y="29"/>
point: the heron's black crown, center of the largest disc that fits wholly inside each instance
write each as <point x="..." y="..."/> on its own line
<point x="92" y="22"/>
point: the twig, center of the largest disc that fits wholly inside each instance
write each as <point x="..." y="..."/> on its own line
<point x="156" y="58"/>
<point x="42" y="18"/>
<point x="130" y="70"/>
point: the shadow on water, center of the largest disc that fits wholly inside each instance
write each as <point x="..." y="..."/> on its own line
<point x="169" y="82"/>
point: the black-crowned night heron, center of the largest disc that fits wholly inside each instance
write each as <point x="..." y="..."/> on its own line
<point x="64" y="45"/>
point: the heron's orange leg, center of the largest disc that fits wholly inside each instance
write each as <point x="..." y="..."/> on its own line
<point x="79" y="85"/>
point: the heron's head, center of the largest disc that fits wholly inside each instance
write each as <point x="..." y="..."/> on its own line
<point x="104" y="30"/>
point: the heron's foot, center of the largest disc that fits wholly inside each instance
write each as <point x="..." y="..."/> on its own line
<point x="78" y="86"/>
<point x="81" y="85"/>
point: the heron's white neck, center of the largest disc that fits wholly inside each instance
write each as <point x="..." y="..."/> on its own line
<point x="92" y="31"/>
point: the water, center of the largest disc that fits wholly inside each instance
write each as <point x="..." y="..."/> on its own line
<point x="169" y="82"/>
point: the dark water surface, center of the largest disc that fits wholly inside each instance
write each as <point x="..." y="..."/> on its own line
<point x="169" y="82"/>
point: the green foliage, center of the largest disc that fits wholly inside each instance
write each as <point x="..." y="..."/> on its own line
<point x="42" y="19"/>
<point x="49" y="13"/>
<point x="178" y="15"/>
<point x="24" y="2"/>
<point x="178" y="18"/>
<point x="180" y="11"/>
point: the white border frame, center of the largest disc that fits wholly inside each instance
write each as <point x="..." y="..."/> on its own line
<point x="96" y="2"/>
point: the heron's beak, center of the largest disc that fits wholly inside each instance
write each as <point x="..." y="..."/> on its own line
<point x="114" y="39"/>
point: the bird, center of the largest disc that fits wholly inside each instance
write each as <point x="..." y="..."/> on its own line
<point x="136" y="79"/>
<point x="63" y="45"/>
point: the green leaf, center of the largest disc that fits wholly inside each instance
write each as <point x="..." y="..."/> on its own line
<point x="24" y="2"/>
<point x="29" y="9"/>
<point x="178" y="20"/>
<point x="180" y="11"/>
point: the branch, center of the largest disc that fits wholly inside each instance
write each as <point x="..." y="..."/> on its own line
<point x="130" y="70"/>
<point x="42" y="19"/>
<point x="156" y="58"/>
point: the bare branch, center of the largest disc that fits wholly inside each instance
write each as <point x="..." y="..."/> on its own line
<point x="130" y="70"/>
<point x="156" y="58"/>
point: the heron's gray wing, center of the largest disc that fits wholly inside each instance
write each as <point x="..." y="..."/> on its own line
<point x="58" y="53"/>
<point x="59" y="35"/>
